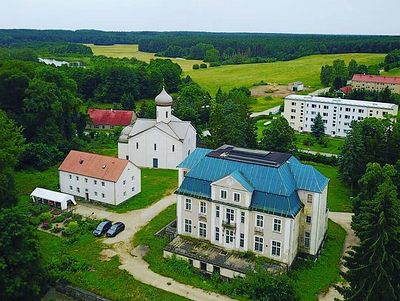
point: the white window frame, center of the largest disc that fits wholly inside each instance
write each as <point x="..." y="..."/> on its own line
<point x="308" y="219"/>
<point x="309" y="198"/>
<point x="203" y="207"/>
<point x="242" y="217"/>
<point x="103" y="184"/>
<point x="217" y="211"/>
<point x="241" y="242"/>
<point x="202" y="229"/>
<point x="238" y="194"/>
<point x="230" y="215"/>
<point x="307" y="238"/>
<point x="278" y="223"/>
<point x="223" y="191"/>
<point x="258" y="244"/>
<point x="229" y="236"/>
<point x="187" y="225"/>
<point x="217" y="234"/>
<point x="277" y="246"/>
<point x="260" y="221"/>
<point x="188" y="204"/>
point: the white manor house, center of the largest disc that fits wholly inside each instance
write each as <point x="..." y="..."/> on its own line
<point x="248" y="200"/>
<point x="337" y="113"/>
<point x="163" y="142"/>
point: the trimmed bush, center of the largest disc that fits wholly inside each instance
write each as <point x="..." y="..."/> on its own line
<point x="196" y="66"/>
<point x="203" y="65"/>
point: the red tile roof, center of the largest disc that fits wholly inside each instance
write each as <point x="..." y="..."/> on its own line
<point x="93" y="165"/>
<point x="111" y="117"/>
<point x="346" y="89"/>
<point x="376" y="79"/>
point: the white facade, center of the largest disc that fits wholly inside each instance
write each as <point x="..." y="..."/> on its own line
<point x="337" y="114"/>
<point x="163" y="142"/>
<point x="101" y="190"/>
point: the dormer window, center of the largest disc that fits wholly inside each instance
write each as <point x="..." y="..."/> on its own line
<point x="223" y="194"/>
<point x="81" y="161"/>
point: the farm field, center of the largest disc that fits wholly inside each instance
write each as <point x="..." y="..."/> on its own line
<point x="305" y="69"/>
<point x="132" y="50"/>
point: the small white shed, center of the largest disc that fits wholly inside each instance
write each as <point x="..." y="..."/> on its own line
<point x="296" y="86"/>
<point x="52" y="198"/>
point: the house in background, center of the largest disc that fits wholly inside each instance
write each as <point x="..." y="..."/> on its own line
<point x="163" y="142"/>
<point x="248" y="200"/>
<point x="108" y="119"/>
<point x="296" y="86"/>
<point x="376" y="82"/>
<point x="337" y="113"/>
<point x="99" y="178"/>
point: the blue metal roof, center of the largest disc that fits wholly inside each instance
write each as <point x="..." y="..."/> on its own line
<point x="238" y="176"/>
<point x="194" y="158"/>
<point x="274" y="188"/>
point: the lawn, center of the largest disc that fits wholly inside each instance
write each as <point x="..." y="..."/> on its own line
<point x="101" y="277"/>
<point x="132" y="50"/>
<point x="334" y="144"/>
<point x="305" y="69"/>
<point x="265" y="103"/>
<point x="156" y="184"/>
<point x="393" y="72"/>
<point x="310" y="278"/>
<point x="339" y="195"/>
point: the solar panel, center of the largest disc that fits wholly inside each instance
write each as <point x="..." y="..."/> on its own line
<point x="228" y="152"/>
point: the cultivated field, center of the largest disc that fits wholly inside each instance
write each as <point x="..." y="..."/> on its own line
<point x="305" y="69"/>
<point x="132" y="50"/>
<point x="393" y="72"/>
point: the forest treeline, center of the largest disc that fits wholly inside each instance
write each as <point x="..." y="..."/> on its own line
<point x="225" y="48"/>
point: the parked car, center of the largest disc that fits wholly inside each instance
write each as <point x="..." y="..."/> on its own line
<point x="115" y="229"/>
<point x="102" y="228"/>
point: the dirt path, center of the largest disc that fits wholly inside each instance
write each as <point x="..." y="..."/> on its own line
<point x="344" y="220"/>
<point x="132" y="260"/>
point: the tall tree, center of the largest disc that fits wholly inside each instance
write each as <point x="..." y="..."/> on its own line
<point x="353" y="68"/>
<point x="373" y="266"/>
<point x="279" y="136"/>
<point x="318" y="127"/>
<point x="21" y="275"/>
<point x="11" y="146"/>
<point x="326" y="75"/>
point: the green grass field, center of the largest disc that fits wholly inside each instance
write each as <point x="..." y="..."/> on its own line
<point x="261" y="103"/>
<point x="101" y="277"/>
<point x="339" y="195"/>
<point x="305" y="69"/>
<point x="334" y="144"/>
<point x="310" y="278"/>
<point x="393" y="72"/>
<point x="156" y="183"/>
<point x="132" y="50"/>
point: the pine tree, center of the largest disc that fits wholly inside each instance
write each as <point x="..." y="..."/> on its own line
<point x="374" y="265"/>
<point x="318" y="127"/>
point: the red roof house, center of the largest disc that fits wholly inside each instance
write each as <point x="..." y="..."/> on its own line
<point x="111" y="117"/>
<point x="93" y="165"/>
<point x="376" y="79"/>
<point x="346" y="89"/>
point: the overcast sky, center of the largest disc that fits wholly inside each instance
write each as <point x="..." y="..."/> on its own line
<point x="307" y="16"/>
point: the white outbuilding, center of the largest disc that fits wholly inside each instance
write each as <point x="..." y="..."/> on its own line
<point x="163" y="142"/>
<point x="52" y="198"/>
<point x="99" y="178"/>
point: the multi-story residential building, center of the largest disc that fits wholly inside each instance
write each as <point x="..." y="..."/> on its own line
<point x="163" y="142"/>
<point x="108" y="119"/>
<point x="99" y="178"/>
<point x="337" y="114"/>
<point x="249" y="200"/>
<point x="376" y="82"/>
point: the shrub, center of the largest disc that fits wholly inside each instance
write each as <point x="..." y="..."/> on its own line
<point x="203" y="65"/>
<point x="56" y="229"/>
<point x="309" y="141"/>
<point x="45" y="217"/>
<point x="318" y="158"/>
<point x="72" y="228"/>
<point x="59" y="219"/>
<point x="196" y="66"/>
<point x="215" y="64"/>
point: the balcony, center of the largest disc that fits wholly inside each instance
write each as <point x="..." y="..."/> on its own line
<point x="258" y="230"/>
<point x="228" y="224"/>
<point x="203" y="217"/>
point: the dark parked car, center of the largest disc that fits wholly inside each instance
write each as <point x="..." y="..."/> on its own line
<point x="115" y="229"/>
<point x="102" y="228"/>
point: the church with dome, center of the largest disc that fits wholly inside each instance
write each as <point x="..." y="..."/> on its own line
<point x="163" y="142"/>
